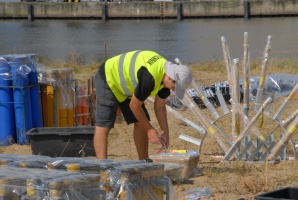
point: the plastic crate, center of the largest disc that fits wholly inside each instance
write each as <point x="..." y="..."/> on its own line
<point x="188" y="160"/>
<point x="62" y="141"/>
<point x="287" y="193"/>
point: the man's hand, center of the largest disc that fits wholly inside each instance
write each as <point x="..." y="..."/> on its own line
<point x="164" y="138"/>
<point x="164" y="141"/>
<point x="153" y="136"/>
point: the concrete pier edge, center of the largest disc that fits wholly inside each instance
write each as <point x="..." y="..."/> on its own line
<point x="149" y="9"/>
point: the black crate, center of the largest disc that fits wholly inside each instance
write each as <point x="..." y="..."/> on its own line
<point x="287" y="193"/>
<point x="62" y="141"/>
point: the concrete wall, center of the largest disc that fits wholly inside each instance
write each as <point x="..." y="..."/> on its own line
<point x="135" y="9"/>
<point x="15" y="10"/>
<point x="274" y="7"/>
<point x="148" y="9"/>
<point x="211" y="9"/>
<point x="67" y="10"/>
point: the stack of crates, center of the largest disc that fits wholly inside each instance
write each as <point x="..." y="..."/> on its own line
<point x="29" y="183"/>
<point x="81" y="178"/>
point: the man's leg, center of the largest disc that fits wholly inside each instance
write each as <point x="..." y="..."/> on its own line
<point x="106" y="107"/>
<point x="141" y="141"/>
<point x="100" y="142"/>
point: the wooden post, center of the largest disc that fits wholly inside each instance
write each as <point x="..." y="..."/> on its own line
<point x="30" y="12"/>
<point x="246" y="5"/>
<point x="104" y="11"/>
<point x="179" y="10"/>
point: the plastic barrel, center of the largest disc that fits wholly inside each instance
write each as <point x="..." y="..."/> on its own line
<point x="7" y="122"/>
<point x="34" y="93"/>
<point x="22" y="100"/>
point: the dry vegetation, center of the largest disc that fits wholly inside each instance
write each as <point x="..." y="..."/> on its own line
<point x="226" y="180"/>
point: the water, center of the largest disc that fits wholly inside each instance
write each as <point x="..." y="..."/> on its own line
<point x="191" y="40"/>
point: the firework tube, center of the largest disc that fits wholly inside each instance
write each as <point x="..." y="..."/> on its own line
<point x="291" y="130"/>
<point x="246" y="68"/>
<point x="286" y="102"/>
<point x="187" y="100"/>
<point x="227" y="59"/>
<point x="289" y="119"/>
<point x="221" y="99"/>
<point x="274" y="95"/>
<point x="181" y="117"/>
<point x="187" y="121"/>
<point x="249" y="126"/>
<point x="206" y="101"/>
<point x="190" y="139"/>
<point x="253" y="120"/>
<point x="254" y="129"/>
<point x="260" y="90"/>
<point x="236" y="98"/>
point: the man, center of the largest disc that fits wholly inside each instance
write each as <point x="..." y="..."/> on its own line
<point x="127" y="80"/>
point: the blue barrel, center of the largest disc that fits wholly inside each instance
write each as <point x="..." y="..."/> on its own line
<point x="21" y="94"/>
<point x="34" y="93"/>
<point x="7" y="122"/>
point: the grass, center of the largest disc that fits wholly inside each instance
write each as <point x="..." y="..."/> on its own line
<point x="217" y="67"/>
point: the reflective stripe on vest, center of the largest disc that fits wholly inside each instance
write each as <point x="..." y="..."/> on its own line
<point x="131" y="72"/>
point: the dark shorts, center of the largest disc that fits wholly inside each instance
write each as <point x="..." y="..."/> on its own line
<point x="107" y="104"/>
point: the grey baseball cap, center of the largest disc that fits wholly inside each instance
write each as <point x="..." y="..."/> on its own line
<point x="181" y="75"/>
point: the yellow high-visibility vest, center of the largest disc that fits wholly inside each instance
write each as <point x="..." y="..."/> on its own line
<point x="121" y="72"/>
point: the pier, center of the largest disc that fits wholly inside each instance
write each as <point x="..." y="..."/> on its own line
<point x="148" y="9"/>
